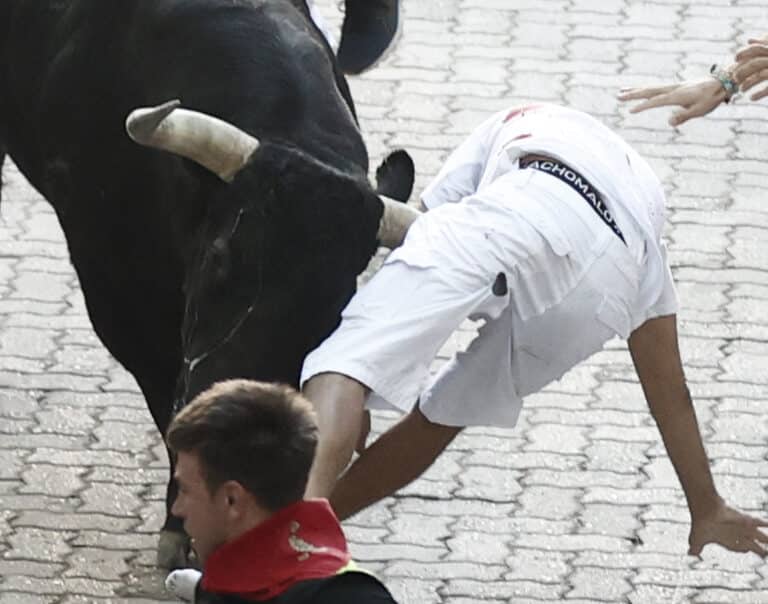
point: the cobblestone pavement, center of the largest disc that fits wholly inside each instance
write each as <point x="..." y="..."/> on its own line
<point x="577" y="504"/>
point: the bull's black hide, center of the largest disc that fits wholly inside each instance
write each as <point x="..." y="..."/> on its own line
<point x="187" y="279"/>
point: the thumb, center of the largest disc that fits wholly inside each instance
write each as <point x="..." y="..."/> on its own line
<point x="679" y="117"/>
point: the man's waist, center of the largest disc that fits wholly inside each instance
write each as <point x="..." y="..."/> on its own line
<point x="577" y="182"/>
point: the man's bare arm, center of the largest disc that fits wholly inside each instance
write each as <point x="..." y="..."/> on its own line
<point x="656" y="355"/>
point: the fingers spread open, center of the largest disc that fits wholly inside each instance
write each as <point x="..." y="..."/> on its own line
<point x="750" y="69"/>
<point x="757" y="548"/>
<point x="755" y="49"/>
<point x="634" y="94"/>
<point x="760" y="95"/>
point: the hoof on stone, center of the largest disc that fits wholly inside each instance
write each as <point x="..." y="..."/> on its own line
<point x="173" y="550"/>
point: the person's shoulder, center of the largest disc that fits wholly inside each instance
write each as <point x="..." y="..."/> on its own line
<point x="353" y="588"/>
<point x="346" y="588"/>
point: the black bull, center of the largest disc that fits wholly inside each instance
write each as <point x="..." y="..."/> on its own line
<point x="189" y="279"/>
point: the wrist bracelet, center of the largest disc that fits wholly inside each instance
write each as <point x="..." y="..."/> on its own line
<point x="726" y="81"/>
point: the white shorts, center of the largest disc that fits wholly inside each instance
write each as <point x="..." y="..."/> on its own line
<point x="570" y="285"/>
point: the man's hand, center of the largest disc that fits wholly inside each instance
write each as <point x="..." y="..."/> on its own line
<point x="696" y="97"/>
<point x="729" y="528"/>
<point x="752" y="67"/>
<point x="183" y="583"/>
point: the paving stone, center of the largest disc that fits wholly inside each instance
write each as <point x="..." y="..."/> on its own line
<point x="64" y="420"/>
<point x="81" y="457"/>
<point x="52" y="481"/>
<point x="576" y="480"/>
<point x="440" y="571"/>
<point x="113" y="541"/>
<point x="507" y="591"/>
<point x="415" y="590"/>
<point x="85" y="587"/>
<point x="33" y="381"/>
<point x="477" y="547"/>
<point x="600" y="584"/>
<point x="432" y="530"/>
<point x="15" y="597"/>
<point x="115" y="499"/>
<point x="39" y="544"/>
<point x="43" y="519"/>
<point x="693" y="578"/>
<point x="41" y="286"/>
<point x="514" y="526"/>
<point x="28" y="343"/>
<point x="11" y="463"/>
<point x="97" y="563"/>
<point x="537" y="566"/>
<point x="100" y="399"/>
<point x="601" y="519"/>
<point x="550" y="502"/>
<point x="386" y="552"/>
<point x="82" y="359"/>
<point x="478" y="483"/>
<point x="728" y="596"/>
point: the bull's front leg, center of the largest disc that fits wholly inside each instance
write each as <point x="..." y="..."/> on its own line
<point x="173" y="548"/>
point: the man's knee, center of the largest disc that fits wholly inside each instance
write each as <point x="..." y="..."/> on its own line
<point x="339" y="402"/>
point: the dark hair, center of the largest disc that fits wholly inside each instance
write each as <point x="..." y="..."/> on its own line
<point x="261" y="435"/>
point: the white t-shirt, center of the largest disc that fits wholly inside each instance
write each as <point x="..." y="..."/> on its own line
<point x="627" y="183"/>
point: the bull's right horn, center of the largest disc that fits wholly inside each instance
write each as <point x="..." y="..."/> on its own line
<point x="395" y="222"/>
<point x="213" y="143"/>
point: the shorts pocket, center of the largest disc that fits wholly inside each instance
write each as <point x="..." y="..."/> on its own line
<point x="613" y="314"/>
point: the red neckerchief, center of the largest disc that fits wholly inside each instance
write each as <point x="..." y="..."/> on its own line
<point x="302" y="541"/>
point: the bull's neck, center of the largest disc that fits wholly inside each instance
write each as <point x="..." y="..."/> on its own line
<point x="6" y="8"/>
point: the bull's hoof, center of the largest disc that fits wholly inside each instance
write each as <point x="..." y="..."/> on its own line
<point x="173" y="550"/>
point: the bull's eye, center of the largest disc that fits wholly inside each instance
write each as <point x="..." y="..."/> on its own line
<point x="218" y="259"/>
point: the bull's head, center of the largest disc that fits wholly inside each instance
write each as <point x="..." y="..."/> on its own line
<point x="278" y="253"/>
<point x="224" y="149"/>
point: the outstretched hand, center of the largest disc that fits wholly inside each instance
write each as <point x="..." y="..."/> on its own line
<point x="752" y="67"/>
<point x="696" y="97"/>
<point x="731" y="529"/>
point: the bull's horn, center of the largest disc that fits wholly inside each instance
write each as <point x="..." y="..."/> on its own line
<point x="395" y="222"/>
<point x="213" y="143"/>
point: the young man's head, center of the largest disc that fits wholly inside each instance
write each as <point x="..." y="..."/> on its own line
<point x="244" y="450"/>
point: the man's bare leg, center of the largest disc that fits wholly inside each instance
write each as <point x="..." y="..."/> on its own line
<point x="396" y="458"/>
<point x="339" y="403"/>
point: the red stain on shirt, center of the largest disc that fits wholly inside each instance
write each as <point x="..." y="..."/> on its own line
<point x="519" y="111"/>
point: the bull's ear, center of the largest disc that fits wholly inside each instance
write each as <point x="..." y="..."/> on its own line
<point x="395" y="176"/>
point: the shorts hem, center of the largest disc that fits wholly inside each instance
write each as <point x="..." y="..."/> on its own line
<point x="368" y="378"/>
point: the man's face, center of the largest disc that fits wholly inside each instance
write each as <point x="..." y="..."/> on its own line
<point x="205" y="514"/>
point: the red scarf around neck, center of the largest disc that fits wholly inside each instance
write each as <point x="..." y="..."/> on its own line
<point x="299" y="542"/>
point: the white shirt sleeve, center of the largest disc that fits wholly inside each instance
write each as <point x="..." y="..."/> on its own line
<point x="667" y="303"/>
<point x="461" y="173"/>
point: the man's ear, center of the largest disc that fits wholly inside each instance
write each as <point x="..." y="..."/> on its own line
<point x="234" y="497"/>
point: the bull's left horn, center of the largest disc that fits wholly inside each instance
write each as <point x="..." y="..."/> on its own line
<point x="213" y="143"/>
<point x="395" y="222"/>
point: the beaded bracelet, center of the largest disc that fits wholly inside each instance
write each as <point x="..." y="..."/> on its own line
<point x="726" y="81"/>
